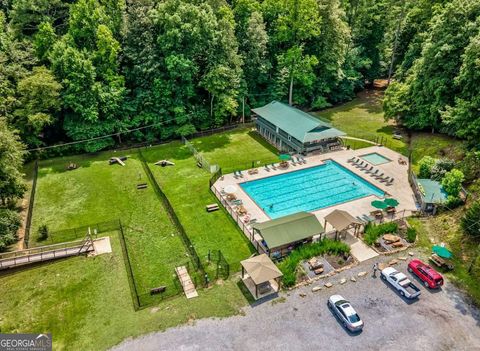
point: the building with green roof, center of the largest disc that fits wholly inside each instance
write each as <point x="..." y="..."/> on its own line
<point x="280" y="236"/>
<point x="292" y="130"/>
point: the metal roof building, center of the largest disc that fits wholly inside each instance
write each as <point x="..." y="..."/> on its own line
<point x="291" y="129"/>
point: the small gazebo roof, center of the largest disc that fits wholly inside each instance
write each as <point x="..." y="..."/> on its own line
<point x="261" y="269"/>
<point x="340" y="219"/>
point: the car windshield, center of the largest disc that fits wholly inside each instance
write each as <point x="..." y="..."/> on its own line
<point x="354" y="318"/>
<point x="340" y="302"/>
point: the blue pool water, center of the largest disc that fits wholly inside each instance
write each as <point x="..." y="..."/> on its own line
<point x="375" y="159"/>
<point x="308" y="189"/>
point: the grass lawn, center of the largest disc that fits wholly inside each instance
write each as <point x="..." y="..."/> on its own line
<point x="97" y="192"/>
<point x="236" y="150"/>
<point x="86" y="304"/>
<point x="363" y="118"/>
<point x="186" y="187"/>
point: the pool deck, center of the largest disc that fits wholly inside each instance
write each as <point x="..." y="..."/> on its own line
<point x="400" y="189"/>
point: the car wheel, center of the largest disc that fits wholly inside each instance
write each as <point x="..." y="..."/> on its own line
<point x="345" y="325"/>
<point x="426" y="284"/>
<point x="402" y="293"/>
<point x="329" y="304"/>
<point x="410" y="270"/>
<point x="383" y="277"/>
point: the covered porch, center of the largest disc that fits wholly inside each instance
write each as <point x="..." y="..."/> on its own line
<point x="261" y="276"/>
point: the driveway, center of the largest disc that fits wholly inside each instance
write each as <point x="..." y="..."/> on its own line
<point x="440" y="320"/>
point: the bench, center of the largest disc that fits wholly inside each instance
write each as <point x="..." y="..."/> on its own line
<point x="158" y="290"/>
<point x="212" y="207"/>
<point x="440" y="262"/>
<point x="142" y="186"/>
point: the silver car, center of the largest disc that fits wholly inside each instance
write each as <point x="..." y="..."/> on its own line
<point x="345" y="312"/>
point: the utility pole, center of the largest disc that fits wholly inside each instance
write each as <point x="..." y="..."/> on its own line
<point x="243" y="109"/>
<point x="395" y="43"/>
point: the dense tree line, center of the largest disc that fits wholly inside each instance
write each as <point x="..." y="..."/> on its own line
<point x="437" y="85"/>
<point x="73" y="70"/>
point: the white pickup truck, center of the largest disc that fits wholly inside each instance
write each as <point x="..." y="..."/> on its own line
<point x="400" y="282"/>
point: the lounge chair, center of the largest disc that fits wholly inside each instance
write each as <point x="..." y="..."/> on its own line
<point x="361" y="164"/>
<point x="293" y="162"/>
<point x="235" y="175"/>
<point x="304" y="160"/>
<point x="351" y="159"/>
<point x="266" y="168"/>
<point x="390" y="181"/>
<point x="240" y="174"/>
<point x="384" y="180"/>
<point x="273" y="166"/>
<point x="374" y="174"/>
<point x="369" y="170"/>
<point x="380" y="176"/>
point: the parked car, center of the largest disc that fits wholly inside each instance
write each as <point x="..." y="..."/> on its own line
<point x="400" y="282"/>
<point x="430" y="277"/>
<point x="345" y="312"/>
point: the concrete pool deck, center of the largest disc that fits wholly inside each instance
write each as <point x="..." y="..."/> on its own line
<point x="400" y="189"/>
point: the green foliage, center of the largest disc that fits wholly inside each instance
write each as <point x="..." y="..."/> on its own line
<point x="9" y="224"/>
<point x="425" y="167"/>
<point x="441" y="167"/>
<point x="42" y="232"/>
<point x="470" y="166"/>
<point x="453" y="202"/>
<point x="373" y="231"/>
<point x="289" y="265"/>
<point x="12" y="152"/>
<point x="452" y="182"/>
<point x="411" y="235"/>
<point x="471" y="220"/>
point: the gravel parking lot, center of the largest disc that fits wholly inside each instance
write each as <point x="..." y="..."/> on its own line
<point x="439" y="320"/>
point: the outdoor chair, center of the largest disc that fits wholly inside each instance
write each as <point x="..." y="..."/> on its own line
<point x="369" y="170"/>
<point x="361" y="164"/>
<point x="266" y="168"/>
<point x="304" y="160"/>
<point x="384" y="180"/>
<point x="390" y="182"/>
<point x="380" y="176"/>
<point x="374" y="173"/>
<point x="235" y="175"/>
<point x="351" y="159"/>
<point x="293" y="162"/>
<point x="240" y="174"/>
<point x="273" y="166"/>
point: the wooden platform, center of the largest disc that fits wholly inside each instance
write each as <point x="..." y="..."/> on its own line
<point x="186" y="281"/>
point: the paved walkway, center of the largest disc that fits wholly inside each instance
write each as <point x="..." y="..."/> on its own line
<point x="186" y="281"/>
<point x="439" y="320"/>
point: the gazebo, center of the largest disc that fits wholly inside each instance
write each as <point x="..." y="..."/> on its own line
<point x="261" y="276"/>
<point x="342" y="221"/>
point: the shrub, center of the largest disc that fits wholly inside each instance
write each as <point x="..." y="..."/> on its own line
<point x="42" y="232"/>
<point x="373" y="232"/>
<point x="9" y="224"/>
<point x="470" y="166"/>
<point x="470" y="221"/>
<point x="452" y="182"/>
<point x="441" y="167"/>
<point x="289" y="265"/>
<point x="411" y="235"/>
<point x="453" y="202"/>
<point x="425" y="167"/>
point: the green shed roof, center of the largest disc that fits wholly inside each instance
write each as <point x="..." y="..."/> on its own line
<point x="289" y="229"/>
<point x="432" y="191"/>
<point x="297" y="123"/>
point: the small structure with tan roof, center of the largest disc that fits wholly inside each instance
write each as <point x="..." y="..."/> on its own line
<point x="261" y="276"/>
<point x="341" y="221"/>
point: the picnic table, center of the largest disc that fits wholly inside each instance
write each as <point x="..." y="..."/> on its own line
<point x="440" y="262"/>
<point x="390" y="238"/>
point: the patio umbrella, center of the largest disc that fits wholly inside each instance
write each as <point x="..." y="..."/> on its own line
<point x="442" y="251"/>
<point x="391" y="202"/>
<point x="379" y="204"/>
<point x="284" y="157"/>
<point x="230" y="189"/>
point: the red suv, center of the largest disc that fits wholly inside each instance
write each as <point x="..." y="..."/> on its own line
<point x="430" y="277"/>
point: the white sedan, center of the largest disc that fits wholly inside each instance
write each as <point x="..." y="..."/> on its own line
<point x="345" y="312"/>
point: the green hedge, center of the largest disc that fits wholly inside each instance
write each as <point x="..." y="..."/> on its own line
<point x="411" y="235"/>
<point x="373" y="232"/>
<point x="289" y="265"/>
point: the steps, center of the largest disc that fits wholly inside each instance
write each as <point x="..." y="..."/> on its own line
<point x="186" y="281"/>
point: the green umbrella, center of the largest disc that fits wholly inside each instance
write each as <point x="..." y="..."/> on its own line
<point x="379" y="204"/>
<point x="442" y="251"/>
<point x="284" y="157"/>
<point x="391" y="202"/>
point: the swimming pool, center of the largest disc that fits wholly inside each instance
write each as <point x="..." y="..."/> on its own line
<point x="375" y="158"/>
<point x="308" y="189"/>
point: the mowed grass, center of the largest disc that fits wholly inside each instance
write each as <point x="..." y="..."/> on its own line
<point x="86" y="304"/>
<point x="236" y="150"/>
<point x="97" y="192"/>
<point x="363" y="118"/>
<point x="186" y="187"/>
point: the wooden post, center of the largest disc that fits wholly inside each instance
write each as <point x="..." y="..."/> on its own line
<point x="243" y="110"/>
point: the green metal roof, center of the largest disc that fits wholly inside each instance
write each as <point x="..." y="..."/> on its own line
<point x="297" y="123"/>
<point x="433" y="191"/>
<point x="289" y="229"/>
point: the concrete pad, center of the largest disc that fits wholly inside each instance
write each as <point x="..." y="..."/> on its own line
<point x="102" y="246"/>
<point x="362" y="252"/>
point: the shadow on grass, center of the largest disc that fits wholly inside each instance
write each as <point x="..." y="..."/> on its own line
<point x="212" y="142"/>
<point x="259" y="139"/>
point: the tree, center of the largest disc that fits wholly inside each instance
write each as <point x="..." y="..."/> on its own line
<point x="12" y="153"/>
<point x="38" y="99"/>
<point x="425" y="167"/>
<point x="452" y="182"/>
<point x="471" y="220"/>
<point x="9" y="224"/>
